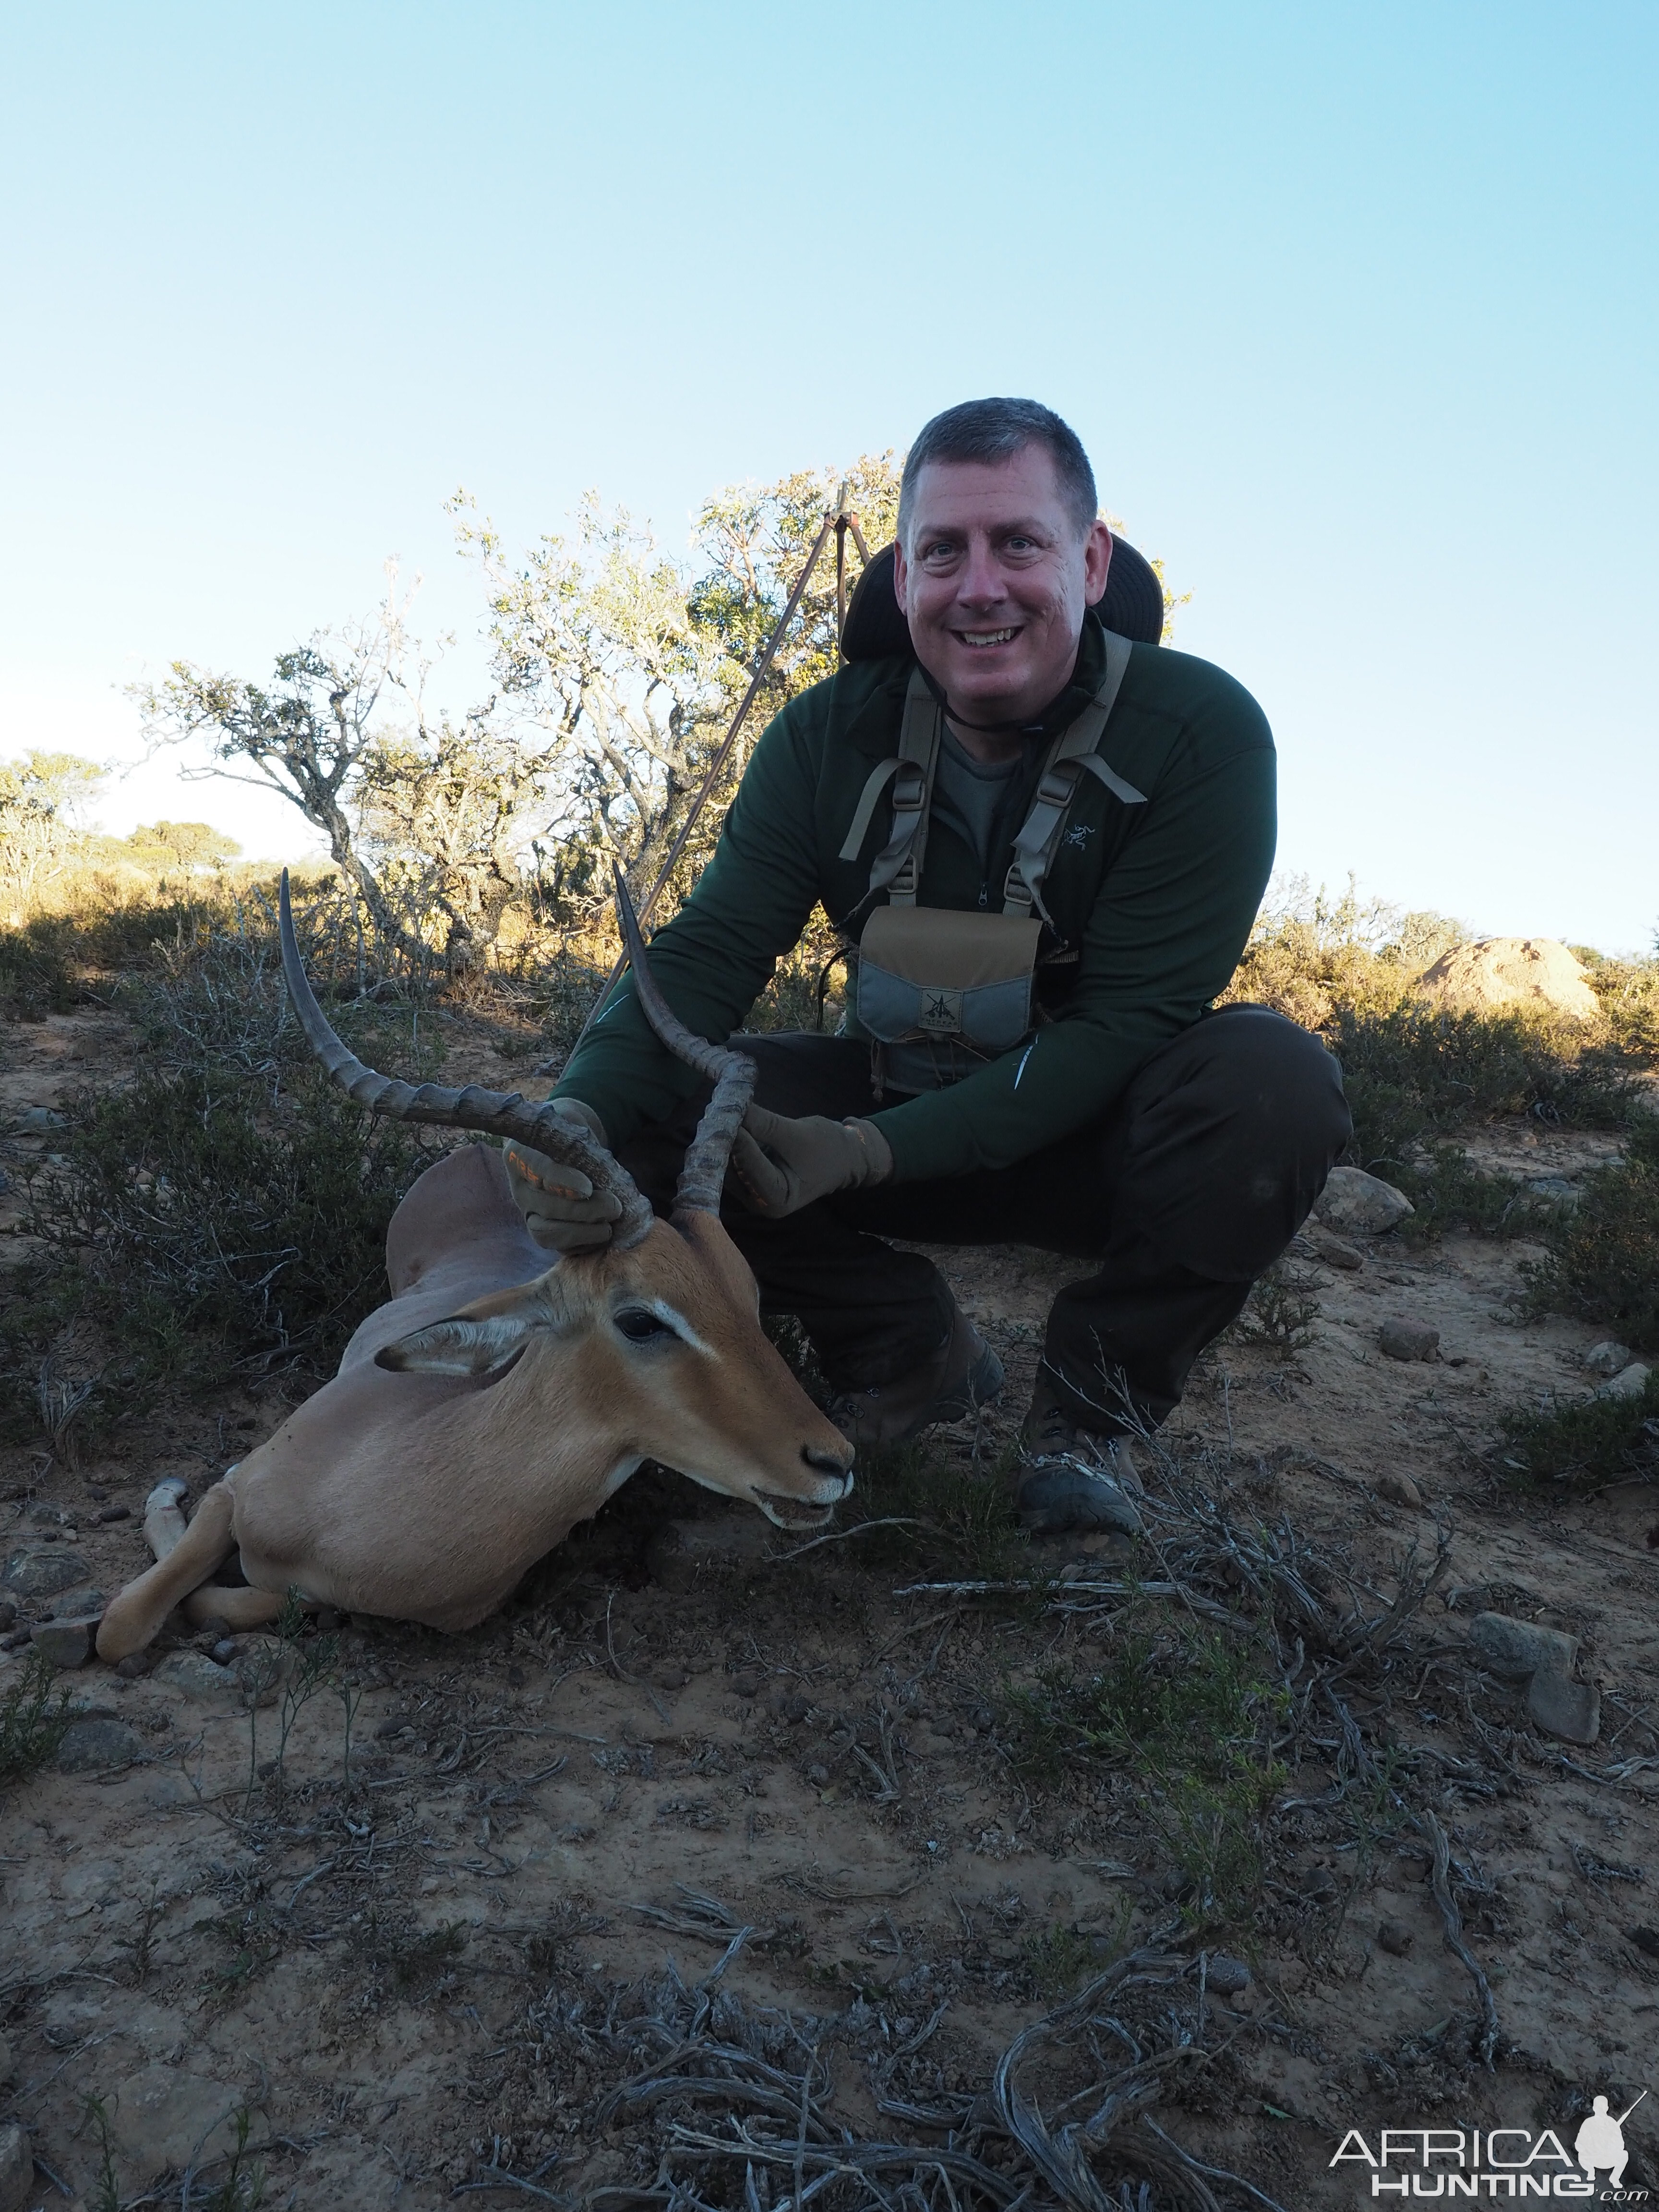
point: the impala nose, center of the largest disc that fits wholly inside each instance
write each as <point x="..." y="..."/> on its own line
<point x="829" y="1463"/>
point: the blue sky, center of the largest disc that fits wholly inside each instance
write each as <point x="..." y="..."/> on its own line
<point x="1353" y="308"/>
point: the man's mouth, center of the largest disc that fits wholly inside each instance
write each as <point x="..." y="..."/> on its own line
<point x="981" y="639"/>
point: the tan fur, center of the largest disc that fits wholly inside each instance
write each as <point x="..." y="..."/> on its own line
<point x="426" y="1495"/>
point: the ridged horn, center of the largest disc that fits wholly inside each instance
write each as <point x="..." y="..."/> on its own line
<point x="494" y="1112"/>
<point x="732" y="1074"/>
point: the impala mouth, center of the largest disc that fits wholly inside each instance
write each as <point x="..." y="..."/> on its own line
<point x="792" y="1512"/>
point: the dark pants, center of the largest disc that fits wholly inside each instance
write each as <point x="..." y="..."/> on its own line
<point x="1191" y="1187"/>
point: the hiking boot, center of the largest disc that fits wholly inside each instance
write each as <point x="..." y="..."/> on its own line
<point x="963" y="1374"/>
<point x="1069" y="1479"/>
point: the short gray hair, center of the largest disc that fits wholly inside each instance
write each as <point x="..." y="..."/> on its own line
<point x="995" y="431"/>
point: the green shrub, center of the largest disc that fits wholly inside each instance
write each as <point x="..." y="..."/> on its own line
<point x="1588" y="1440"/>
<point x="34" y="1713"/>
<point x="226" y="1208"/>
<point x="1602" y="1259"/>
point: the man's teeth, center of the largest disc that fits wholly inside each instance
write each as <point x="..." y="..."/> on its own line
<point x="986" y="637"/>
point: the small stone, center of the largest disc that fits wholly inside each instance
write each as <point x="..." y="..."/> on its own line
<point x="1334" y="1251"/>
<point x="1318" y="1883"/>
<point x="818" y="1774"/>
<point x="1400" y="1338"/>
<point x="91" y="1746"/>
<point x="1395" y="1937"/>
<point x="77" y="1605"/>
<point x="110" y="1513"/>
<point x="16" y="2170"/>
<point x="1561" y="1707"/>
<point x="65" y="1643"/>
<point x="671" y="1678"/>
<point x="37" y="1121"/>
<point x="1226" y="1977"/>
<point x="214" y="1630"/>
<point x="135" y="1666"/>
<point x="1400" y="1490"/>
<point x="1355" y="1204"/>
<point x="42" y="1574"/>
<point x="1519" y="1648"/>
<point x="1629" y="1383"/>
<point x="1608" y="1358"/>
<point x="225" y="1650"/>
<point x="195" y="1676"/>
<point x="745" y="1685"/>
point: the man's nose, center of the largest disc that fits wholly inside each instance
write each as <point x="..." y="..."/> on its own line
<point x="981" y="580"/>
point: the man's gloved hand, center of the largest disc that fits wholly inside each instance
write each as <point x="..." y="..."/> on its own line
<point x="561" y="1210"/>
<point x="782" y="1164"/>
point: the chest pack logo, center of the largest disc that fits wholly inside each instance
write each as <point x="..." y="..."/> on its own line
<point x="1506" y="2164"/>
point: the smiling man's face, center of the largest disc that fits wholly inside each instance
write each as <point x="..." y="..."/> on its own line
<point x="993" y="577"/>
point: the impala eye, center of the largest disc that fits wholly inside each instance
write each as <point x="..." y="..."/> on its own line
<point x="640" y="1324"/>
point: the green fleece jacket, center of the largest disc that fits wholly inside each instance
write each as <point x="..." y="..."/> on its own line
<point x="1152" y="904"/>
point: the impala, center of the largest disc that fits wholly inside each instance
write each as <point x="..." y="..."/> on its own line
<point x="494" y="1401"/>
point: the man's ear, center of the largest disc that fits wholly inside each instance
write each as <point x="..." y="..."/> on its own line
<point x="1096" y="564"/>
<point x="486" y="1337"/>
<point x="900" y="574"/>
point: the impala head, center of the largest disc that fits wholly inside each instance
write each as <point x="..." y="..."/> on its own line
<point x="653" y="1342"/>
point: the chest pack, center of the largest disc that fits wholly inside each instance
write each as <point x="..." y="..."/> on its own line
<point x="940" y="990"/>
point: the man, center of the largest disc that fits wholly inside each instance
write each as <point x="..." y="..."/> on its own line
<point x="936" y="801"/>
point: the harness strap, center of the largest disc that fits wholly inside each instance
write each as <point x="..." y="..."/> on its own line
<point x="897" y="868"/>
<point x="1073" y="751"/>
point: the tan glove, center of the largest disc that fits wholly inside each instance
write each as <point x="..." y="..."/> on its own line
<point x="782" y="1164"/>
<point x="561" y="1208"/>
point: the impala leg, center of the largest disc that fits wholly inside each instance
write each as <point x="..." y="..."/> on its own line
<point x="188" y="1559"/>
<point x="164" y="1530"/>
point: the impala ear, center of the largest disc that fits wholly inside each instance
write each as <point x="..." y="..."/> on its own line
<point x="484" y="1339"/>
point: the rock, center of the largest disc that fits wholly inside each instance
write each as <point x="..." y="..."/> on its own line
<point x="1402" y="1339"/>
<point x="29" y="1573"/>
<point x="7" y="1613"/>
<point x="1564" y="1708"/>
<point x="163" y="2118"/>
<point x="78" y="1604"/>
<point x="194" y="1675"/>
<point x="43" y="1514"/>
<point x="1608" y="1358"/>
<point x="135" y="1666"/>
<point x="1226" y="1977"/>
<point x="1395" y="1937"/>
<point x="110" y="1513"/>
<point x="1519" y="1648"/>
<point x="1334" y="1251"/>
<point x="818" y="1774"/>
<point x="1400" y="1490"/>
<point x="90" y="1746"/>
<point x="5" y="2060"/>
<point x="16" y="2170"/>
<point x="39" y="1122"/>
<point x="1629" y="1383"/>
<point x="745" y="1685"/>
<point x="65" y="1643"/>
<point x="1555" y="1187"/>
<point x="1534" y="972"/>
<point x="1355" y="1204"/>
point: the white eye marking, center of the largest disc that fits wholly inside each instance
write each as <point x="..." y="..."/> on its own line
<point x="668" y="1318"/>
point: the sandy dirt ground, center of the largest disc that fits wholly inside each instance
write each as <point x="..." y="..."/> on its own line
<point x="400" y="1941"/>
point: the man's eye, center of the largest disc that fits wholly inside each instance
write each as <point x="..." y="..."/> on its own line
<point x="939" y="551"/>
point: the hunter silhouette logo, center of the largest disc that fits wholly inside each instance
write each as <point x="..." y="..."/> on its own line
<point x="941" y="1011"/>
<point x="1499" y="2162"/>
<point x="1600" y="2143"/>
